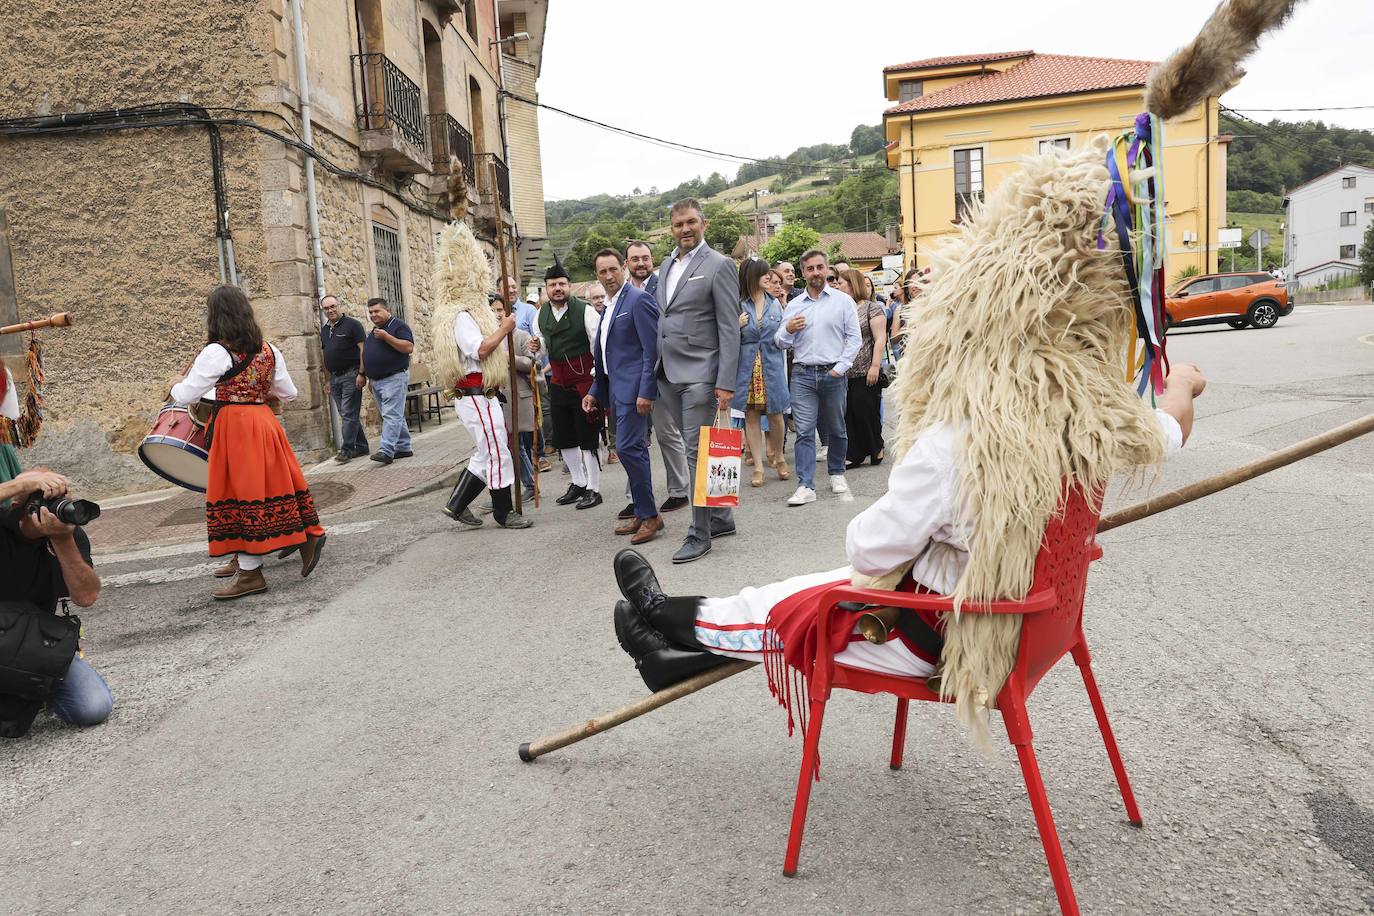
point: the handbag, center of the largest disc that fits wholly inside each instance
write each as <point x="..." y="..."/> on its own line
<point x="720" y="451"/>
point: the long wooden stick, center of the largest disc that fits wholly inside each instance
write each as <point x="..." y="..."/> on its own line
<point x="60" y="320"/>
<point x="1193" y="491"/>
<point x="532" y="749"/>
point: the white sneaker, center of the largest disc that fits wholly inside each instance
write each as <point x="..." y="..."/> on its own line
<point x="803" y="496"/>
<point x="822" y="453"/>
<point x="838" y="484"/>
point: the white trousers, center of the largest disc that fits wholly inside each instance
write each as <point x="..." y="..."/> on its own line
<point x="487" y="425"/>
<point x="734" y="627"/>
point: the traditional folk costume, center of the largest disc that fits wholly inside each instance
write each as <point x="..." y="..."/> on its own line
<point x="461" y="278"/>
<point x="568" y="335"/>
<point x="1012" y="386"/>
<point x="9" y="409"/>
<point x="257" y="501"/>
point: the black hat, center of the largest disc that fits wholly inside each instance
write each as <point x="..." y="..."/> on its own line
<point x="556" y="272"/>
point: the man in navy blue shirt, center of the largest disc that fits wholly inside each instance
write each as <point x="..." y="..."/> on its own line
<point x="341" y="338"/>
<point x="386" y="363"/>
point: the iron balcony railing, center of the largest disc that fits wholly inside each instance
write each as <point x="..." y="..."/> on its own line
<point x="502" y="178"/>
<point x="450" y="140"/>
<point x="386" y="97"/>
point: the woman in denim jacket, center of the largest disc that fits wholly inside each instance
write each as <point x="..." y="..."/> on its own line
<point x="761" y="384"/>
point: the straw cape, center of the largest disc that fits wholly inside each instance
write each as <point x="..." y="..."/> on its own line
<point x="461" y="280"/>
<point x="1022" y="341"/>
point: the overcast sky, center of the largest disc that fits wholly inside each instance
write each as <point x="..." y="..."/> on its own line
<point x="761" y="78"/>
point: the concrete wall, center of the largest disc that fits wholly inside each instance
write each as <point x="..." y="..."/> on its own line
<point x="1354" y="294"/>
<point x="1312" y="222"/>
<point x="118" y="227"/>
<point x="1008" y="132"/>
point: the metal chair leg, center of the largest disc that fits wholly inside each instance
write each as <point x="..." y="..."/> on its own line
<point x="899" y="734"/>
<point x="804" y="780"/>
<point x="1081" y="657"/>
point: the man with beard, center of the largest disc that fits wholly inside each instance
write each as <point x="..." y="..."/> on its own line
<point x="698" y="352"/>
<point x="565" y="329"/>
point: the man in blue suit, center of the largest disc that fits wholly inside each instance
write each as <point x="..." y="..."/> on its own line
<point x="626" y="353"/>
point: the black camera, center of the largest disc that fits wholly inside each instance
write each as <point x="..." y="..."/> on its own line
<point x="68" y="511"/>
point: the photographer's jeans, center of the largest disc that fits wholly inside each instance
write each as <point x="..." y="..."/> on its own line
<point x="348" y="398"/>
<point x="82" y="697"/>
<point x="818" y="401"/>
<point x="390" y="393"/>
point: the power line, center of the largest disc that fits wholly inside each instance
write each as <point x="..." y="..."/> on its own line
<point x="1328" y="108"/>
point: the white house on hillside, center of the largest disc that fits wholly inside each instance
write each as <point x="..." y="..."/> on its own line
<point x="1326" y="221"/>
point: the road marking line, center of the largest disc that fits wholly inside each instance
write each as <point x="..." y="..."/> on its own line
<point x="174" y="550"/>
<point x="1367" y="339"/>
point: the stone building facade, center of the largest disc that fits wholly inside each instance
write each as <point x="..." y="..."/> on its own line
<point x="119" y="225"/>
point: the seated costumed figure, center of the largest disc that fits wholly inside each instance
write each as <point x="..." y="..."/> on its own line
<point x="1014" y="383"/>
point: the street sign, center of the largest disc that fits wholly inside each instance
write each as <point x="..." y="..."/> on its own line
<point x="883" y="276"/>
<point x="1258" y="239"/>
<point x="1228" y="238"/>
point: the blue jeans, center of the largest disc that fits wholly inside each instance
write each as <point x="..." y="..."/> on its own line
<point x="526" y="465"/>
<point x="82" y="697"/>
<point x="390" y="393"/>
<point x="818" y="402"/>
<point x="348" y="398"/>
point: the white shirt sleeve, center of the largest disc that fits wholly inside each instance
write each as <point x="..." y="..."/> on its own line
<point x="918" y="503"/>
<point x="1173" y="434"/>
<point x="467" y="335"/>
<point x="212" y="362"/>
<point x="283" y="389"/>
<point x="592" y="319"/>
<point x="10" y="407"/>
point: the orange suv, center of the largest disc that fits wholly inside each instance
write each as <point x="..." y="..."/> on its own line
<point x="1239" y="299"/>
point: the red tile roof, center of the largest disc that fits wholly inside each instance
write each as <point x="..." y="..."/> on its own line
<point x="857" y="245"/>
<point x="957" y="59"/>
<point x="1037" y="77"/>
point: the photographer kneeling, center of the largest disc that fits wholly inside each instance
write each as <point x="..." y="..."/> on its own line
<point x="43" y="560"/>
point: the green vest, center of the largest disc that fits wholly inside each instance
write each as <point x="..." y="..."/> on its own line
<point x="565" y="338"/>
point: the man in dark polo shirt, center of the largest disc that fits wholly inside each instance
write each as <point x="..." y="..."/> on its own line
<point x="386" y="362"/>
<point x="342" y="338"/>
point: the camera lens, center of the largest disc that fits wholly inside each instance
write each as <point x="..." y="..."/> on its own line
<point x="74" y="511"/>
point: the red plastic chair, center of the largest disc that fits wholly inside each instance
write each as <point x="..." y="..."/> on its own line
<point x="1052" y="628"/>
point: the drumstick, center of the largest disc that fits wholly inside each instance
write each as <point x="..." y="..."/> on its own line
<point x="59" y="320"/>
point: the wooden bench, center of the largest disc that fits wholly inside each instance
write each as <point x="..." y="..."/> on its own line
<point x="423" y="398"/>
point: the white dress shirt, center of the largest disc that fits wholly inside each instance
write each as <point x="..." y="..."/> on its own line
<point x="469" y="339"/>
<point x="10" y="407"/>
<point x="606" y="317"/>
<point x="677" y="270"/>
<point x="213" y="362"/>
<point x="919" y="516"/>
<point x="590" y="317"/>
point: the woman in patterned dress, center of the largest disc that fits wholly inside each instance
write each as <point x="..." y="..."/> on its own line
<point x="761" y="383"/>
<point x="257" y="501"/>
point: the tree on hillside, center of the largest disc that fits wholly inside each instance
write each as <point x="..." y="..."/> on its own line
<point x="725" y="227"/>
<point x="865" y="140"/>
<point x="1367" y="257"/>
<point x="791" y="242"/>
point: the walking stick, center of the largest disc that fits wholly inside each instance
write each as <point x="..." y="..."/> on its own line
<point x="538" y="414"/>
<point x="1214" y="484"/>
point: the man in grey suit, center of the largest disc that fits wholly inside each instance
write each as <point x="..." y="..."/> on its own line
<point x="698" y="351"/>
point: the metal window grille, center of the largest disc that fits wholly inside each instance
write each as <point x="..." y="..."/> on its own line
<point x="968" y="180"/>
<point x="386" y="245"/>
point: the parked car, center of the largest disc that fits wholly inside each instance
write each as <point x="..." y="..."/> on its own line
<point x="1253" y="299"/>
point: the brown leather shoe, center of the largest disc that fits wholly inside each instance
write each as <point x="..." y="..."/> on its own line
<point x="648" y="530"/>
<point x="247" y="582"/>
<point x="310" y="553"/>
<point x="628" y="526"/>
<point x="228" y="569"/>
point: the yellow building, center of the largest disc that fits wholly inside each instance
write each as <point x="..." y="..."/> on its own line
<point x="960" y="124"/>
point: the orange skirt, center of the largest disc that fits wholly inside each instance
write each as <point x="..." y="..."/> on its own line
<point x="257" y="501"/>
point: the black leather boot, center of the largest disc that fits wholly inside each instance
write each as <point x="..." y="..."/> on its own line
<point x="675" y="618"/>
<point x="502" y="512"/>
<point x="660" y="663"/>
<point x="468" y="488"/>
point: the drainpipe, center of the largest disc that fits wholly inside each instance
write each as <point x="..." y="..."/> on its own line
<point x="312" y="211"/>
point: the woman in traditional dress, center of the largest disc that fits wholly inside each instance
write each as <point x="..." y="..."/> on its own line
<point x="257" y="501"/>
<point x="863" y="418"/>
<point x="761" y="382"/>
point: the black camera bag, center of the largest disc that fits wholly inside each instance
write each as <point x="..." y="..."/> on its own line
<point x="36" y="649"/>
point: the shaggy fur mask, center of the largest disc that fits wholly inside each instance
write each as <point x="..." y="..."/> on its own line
<point x="1020" y="343"/>
<point x="462" y="277"/>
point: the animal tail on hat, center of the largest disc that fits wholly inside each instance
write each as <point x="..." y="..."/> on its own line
<point x="1210" y="63"/>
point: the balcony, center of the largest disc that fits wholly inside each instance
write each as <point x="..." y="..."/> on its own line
<point x="501" y="190"/>
<point x="391" y="121"/>
<point x="451" y="146"/>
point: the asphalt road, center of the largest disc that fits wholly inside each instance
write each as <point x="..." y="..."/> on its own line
<point x="346" y="744"/>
